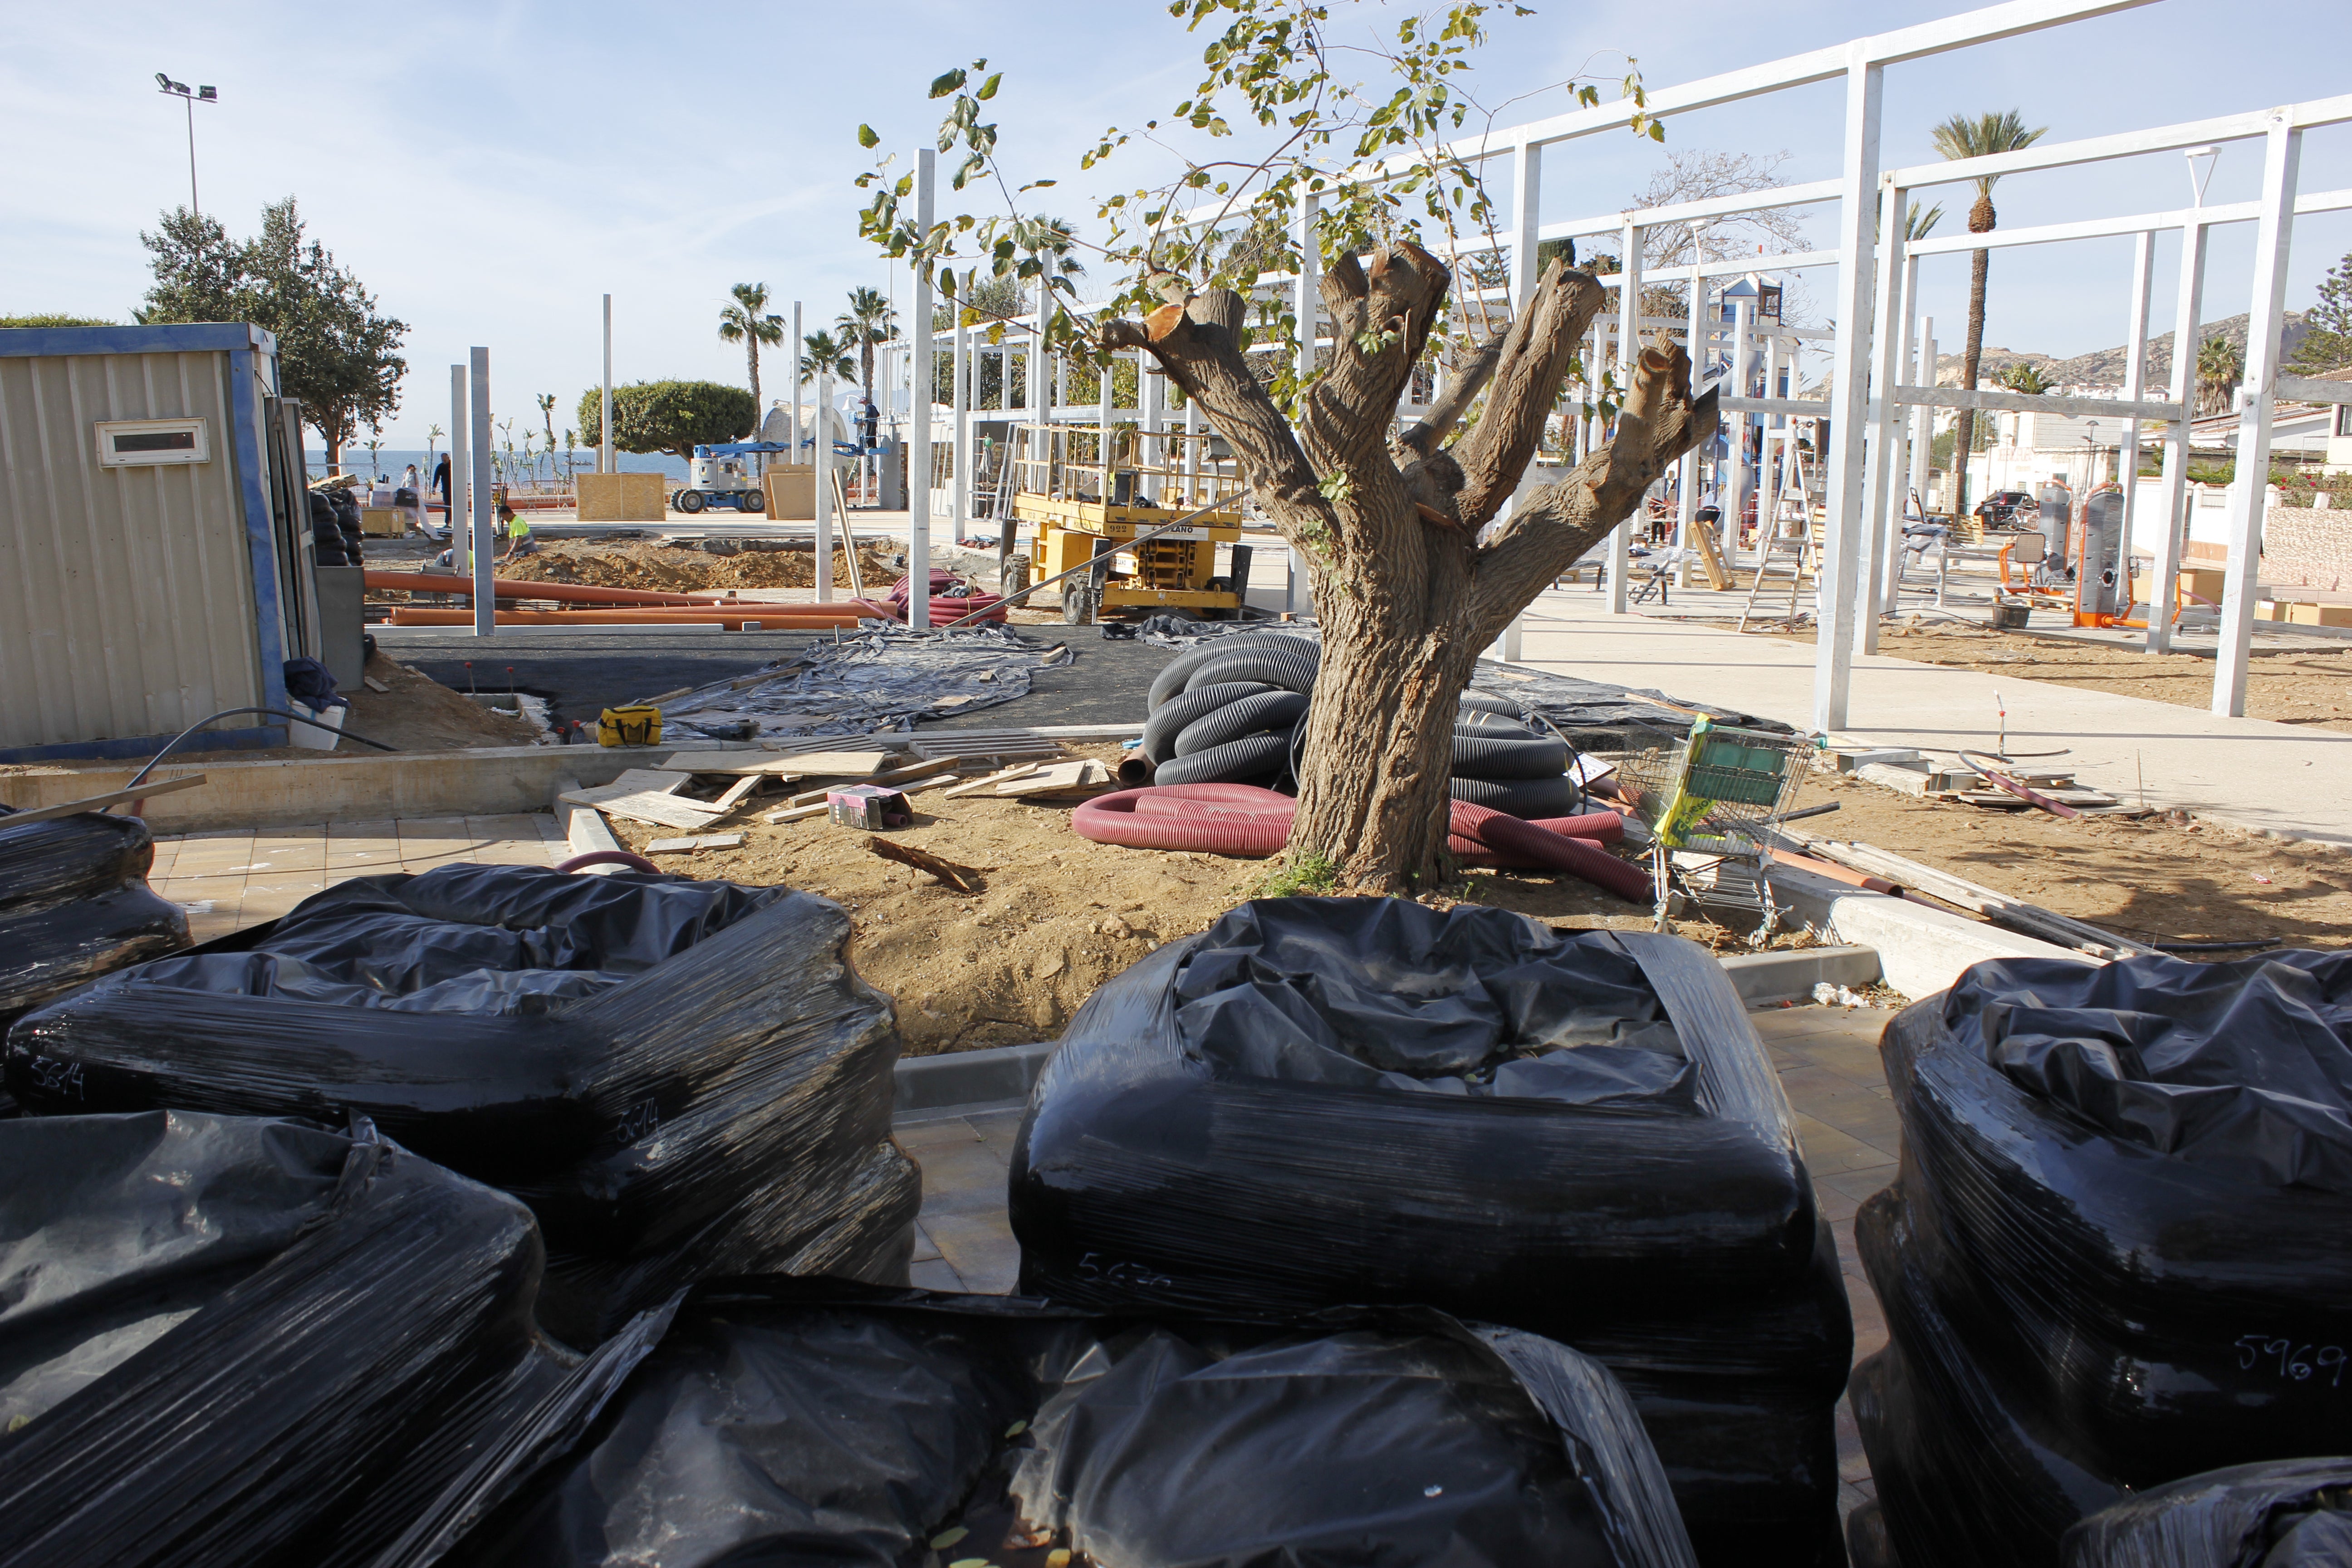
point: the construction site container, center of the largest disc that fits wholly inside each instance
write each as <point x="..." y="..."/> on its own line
<point x="155" y="566"/>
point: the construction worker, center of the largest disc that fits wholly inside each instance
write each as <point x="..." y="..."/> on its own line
<point x="518" y="532"/>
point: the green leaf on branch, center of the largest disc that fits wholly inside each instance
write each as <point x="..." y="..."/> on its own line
<point x="866" y="138"/>
<point x="947" y="82"/>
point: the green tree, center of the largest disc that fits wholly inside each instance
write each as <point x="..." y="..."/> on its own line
<point x="336" y="353"/>
<point x="546" y="401"/>
<point x="2221" y="366"/>
<point x="2024" y="376"/>
<point x="747" y="321"/>
<point x="2328" y="343"/>
<point x="1963" y="136"/>
<point x="1407" y="593"/>
<point x="820" y="355"/>
<point x="669" y="416"/>
<point x="870" y="320"/>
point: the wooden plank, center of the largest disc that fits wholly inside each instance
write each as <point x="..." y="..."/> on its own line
<point x="751" y="763"/>
<point x="838" y="764"/>
<point x="99" y="802"/>
<point x="1016" y="770"/>
<point x="635" y="781"/>
<point x="736" y="792"/>
<point x="659" y="809"/>
<point x="1710" y="558"/>
<point x="1084" y="773"/>
<point x="696" y="845"/>
<point x="895" y="775"/>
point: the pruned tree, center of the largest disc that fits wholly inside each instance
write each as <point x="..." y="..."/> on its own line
<point x="669" y="416"/>
<point x="1412" y="582"/>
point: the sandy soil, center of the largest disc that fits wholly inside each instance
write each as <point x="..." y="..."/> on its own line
<point x="1059" y="914"/>
<point x="662" y="567"/>
<point x="2299" y="688"/>
<point x="2157" y="879"/>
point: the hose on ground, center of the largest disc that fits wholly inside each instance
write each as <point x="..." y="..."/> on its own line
<point x="1508" y="835"/>
<point x="608" y="857"/>
<point x="1502" y="707"/>
<point x="141" y="776"/>
<point x="1219" y="818"/>
<point x="1177" y="671"/>
<point x="1499" y="758"/>
<point x="1528" y="798"/>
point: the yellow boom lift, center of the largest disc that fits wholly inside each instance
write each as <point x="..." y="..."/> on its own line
<point x="1083" y="495"/>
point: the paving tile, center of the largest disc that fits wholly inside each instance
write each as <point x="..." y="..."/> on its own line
<point x="289" y="852"/>
<point x="431" y="832"/>
<point x="934" y="1274"/>
<point x="964" y="1178"/>
<point x="980" y="1247"/>
<point x="1860" y="1184"/>
<point x="1853" y="1465"/>
<point x="1834" y="1205"/>
<point x="267" y="898"/>
<point x="946" y="1132"/>
<point x="1856" y="1060"/>
<point x="925" y="1250"/>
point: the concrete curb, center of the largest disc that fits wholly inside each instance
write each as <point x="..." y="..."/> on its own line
<point x="1921" y="950"/>
<point x="1002" y="1077"/>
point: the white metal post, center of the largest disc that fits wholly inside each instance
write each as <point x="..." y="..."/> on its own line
<point x="1776" y="434"/>
<point x="1923" y="418"/>
<point x="1849" y="397"/>
<point x="1527" y="215"/>
<point x="605" y="460"/>
<point x="2188" y="313"/>
<point x="2135" y="380"/>
<point x="919" y="411"/>
<point x="2282" y="153"/>
<point x="485" y="541"/>
<point x="1629" y="354"/>
<point x="1040" y="389"/>
<point x="1151" y="399"/>
<point x="1898" y="419"/>
<point x="959" y="478"/>
<point x="461" y="441"/>
<point x="1306" y="293"/>
<point x="797" y="372"/>
<point x="1695" y="342"/>
<point x="824" y="474"/>
<point x="1887" y="346"/>
<point x="1735" y="485"/>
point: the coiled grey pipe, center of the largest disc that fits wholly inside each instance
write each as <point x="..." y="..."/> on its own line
<point x="1287" y="662"/>
<point x="1267" y="710"/>
<point x="1498" y="757"/>
<point x="1481" y="702"/>
<point x="1169" y="719"/>
<point x="1522" y="797"/>
<point x="1173" y="674"/>
<point x="1236" y="762"/>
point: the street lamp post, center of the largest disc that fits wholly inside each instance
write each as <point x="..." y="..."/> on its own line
<point x="179" y="90"/>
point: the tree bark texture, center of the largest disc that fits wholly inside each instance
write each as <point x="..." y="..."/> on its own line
<point x="1406" y="595"/>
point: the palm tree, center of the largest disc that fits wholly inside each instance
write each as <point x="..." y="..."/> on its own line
<point x="870" y="320"/>
<point x="1962" y="136"/>
<point x="2025" y="376"/>
<point x="546" y="401"/>
<point x="1918" y="225"/>
<point x="2221" y="366"/>
<point x="747" y="321"/>
<point x="820" y="355"/>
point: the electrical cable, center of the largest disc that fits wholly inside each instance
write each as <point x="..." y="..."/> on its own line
<point x="141" y="776"/>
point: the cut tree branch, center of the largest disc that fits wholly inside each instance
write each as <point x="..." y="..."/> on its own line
<point x="1538" y="352"/>
<point x="1557" y="524"/>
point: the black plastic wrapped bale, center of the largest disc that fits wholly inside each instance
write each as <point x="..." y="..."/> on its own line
<point x="1328" y="1101"/>
<point x="808" y="1422"/>
<point x="2297" y="1514"/>
<point x="74" y="904"/>
<point x="2122" y="1231"/>
<point x="232" y="1343"/>
<point x="683" y="1079"/>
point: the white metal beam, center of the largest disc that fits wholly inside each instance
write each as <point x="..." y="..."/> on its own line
<point x="2040" y="403"/>
<point x="1629" y="355"/>
<point x="2189" y="300"/>
<point x="2130" y="143"/>
<point x="918" y="410"/>
<point x="2282" y="153"/>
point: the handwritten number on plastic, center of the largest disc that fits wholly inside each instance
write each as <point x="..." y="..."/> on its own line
<point x="2290" y="1362"/>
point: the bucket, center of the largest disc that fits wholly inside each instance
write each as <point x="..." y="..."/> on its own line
<point x="320" y="733"/>
<point x="2009" y="615"/>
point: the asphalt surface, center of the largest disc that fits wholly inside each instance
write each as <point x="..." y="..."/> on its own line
<point x="582" y="673"/>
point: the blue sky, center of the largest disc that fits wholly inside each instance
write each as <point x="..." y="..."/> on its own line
<point x="490" y="170"/>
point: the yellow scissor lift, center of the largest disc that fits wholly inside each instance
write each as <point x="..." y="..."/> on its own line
<point x="1082" y="497"/>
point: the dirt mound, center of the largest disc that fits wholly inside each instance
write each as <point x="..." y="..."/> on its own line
<point x="668" y="569"/>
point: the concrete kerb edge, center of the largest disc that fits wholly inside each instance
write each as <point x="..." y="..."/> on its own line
<point x="960" y="1083"/>
<point x="1921" y="950"/>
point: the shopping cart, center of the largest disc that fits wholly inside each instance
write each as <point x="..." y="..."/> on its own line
<point x="1714" y="793"/>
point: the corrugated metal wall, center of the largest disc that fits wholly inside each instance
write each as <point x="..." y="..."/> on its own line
<point x="126" y="594"/>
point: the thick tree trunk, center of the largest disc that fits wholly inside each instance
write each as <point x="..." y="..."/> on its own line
<point x="1406" y="595"/>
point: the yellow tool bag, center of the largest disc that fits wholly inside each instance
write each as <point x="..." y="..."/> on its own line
<point x="639" y="724"/>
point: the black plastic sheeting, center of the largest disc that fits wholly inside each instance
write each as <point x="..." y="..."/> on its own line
<point x="1593" y="714"/>
<point x="248" y="1344"/>
<point x="74" y="904"/>
<point x="2084" y="1298"/>
<point x="883" y="678"/>
<point x="806" y="1422"/>
<point x="2292" y="1515"/>
<point x="682" y="1078"/>
<point x="1327" y="1102"/>
<point x="2243" y="1068"/>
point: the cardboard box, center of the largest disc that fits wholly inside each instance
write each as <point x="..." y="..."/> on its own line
<point x="869" y="806"/>
<point x="2319" y="614"/>
<point x="383" y="522"/>
<point x="2204" y="582"/>
<point x="791" y="492"/>
<point x="623" y="498"/>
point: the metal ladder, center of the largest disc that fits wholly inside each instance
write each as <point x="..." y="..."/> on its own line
<point x="1800" y="562"/>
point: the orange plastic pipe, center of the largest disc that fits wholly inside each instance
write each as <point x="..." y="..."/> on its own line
<point x="781" y="617"/>
<point x="522" y="588"/>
